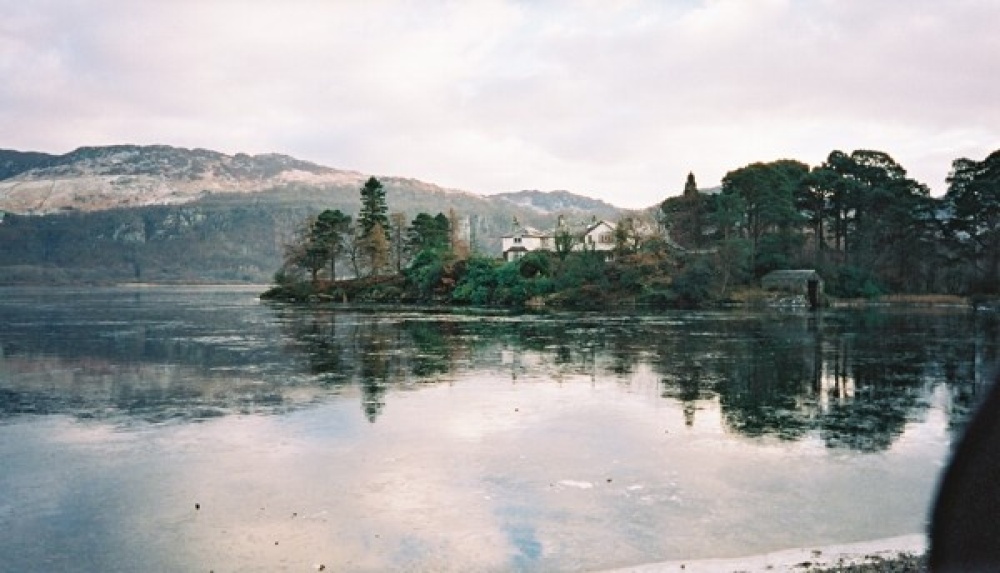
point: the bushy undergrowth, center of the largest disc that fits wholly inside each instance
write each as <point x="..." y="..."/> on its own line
<point x="578" y="280"/>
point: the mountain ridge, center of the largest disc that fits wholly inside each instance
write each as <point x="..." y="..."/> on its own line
<point x="553" y="201"/>
<point x="107" y="177"/>
<point x="173" y="215"/>
<point x="93" y="178"/>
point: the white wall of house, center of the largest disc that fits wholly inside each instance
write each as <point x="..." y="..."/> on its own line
<point x="528" y="242"/>
<point x="516" y="246"/>
<point x="599" y="237"/>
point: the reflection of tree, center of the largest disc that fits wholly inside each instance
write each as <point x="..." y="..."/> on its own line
<point x="563" y="354"/>
<point x="623" y="347"/>
<point x="344" y="349"/>
<point x="433" y="342"/>
<point x="887" y="376"/>
<point x="689" y="370"/>
<point x="958" y="365"/>
<point x="854" y="379"/>
<point x="322" y="339"/>
<point x="851" y="379"/>
<point x="373" y="346"/>
<point x="689" y="388"/>
<point x="870" y="422"/>
<point x="565" y="345"/>
<point x="768" y="388"/>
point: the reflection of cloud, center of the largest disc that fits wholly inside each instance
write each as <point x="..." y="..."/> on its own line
<point x="475" y="426"/>
<point x="361" y="501"/>
<point x="415" y="492"/>
<point x="482" y="471"/>
<point x="91" y="387"/>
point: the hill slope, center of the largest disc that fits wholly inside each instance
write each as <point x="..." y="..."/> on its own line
<point x="554" y="202"/>
<point x="100" y="178"/>
<point x="166" y="214"/>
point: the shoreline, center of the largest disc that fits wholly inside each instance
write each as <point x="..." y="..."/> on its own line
<point x="809" y="558"/>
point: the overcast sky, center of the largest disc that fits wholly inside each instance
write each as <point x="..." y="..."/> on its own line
<point x="615" y="100"/>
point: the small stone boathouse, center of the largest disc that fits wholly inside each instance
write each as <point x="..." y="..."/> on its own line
<point x="804" y="282"/>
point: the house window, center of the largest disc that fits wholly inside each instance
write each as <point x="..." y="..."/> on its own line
<point x="606" y="238"/>
<point x="517" y="240"/>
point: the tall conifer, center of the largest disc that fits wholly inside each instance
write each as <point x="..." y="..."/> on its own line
<point x="374" y="210"/>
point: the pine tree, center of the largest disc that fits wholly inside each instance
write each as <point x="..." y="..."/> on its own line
<point x="376" y="250"/>
<point x="374" y="210"/>
<point x="373" y="219"/>
<point x="690" y="187"/>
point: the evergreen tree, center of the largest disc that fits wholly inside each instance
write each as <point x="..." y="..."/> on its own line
<point x="374" y="210"/>
<point x="428" y="233"/>
<point x="684" y="217"/>
<point x="373" y="219"/>
<point x="814" y="201"/>
<point x="305" y="252"/>
<point x="327" y="233"/>
<point x="772" y="222"/>
<point x="887" y="219"/>
<point x="690" y="187"/>
<point x="973" y="200"/>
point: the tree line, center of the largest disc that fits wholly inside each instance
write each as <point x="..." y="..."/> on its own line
<point x="857" y="218"/>
<point x="376" y="244"/>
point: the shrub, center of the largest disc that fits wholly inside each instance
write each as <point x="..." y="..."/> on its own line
<point x="534" y="264"/>
<point x="476" y="284"/>
<point x="692" y="286"/>
<point x="854" y="282"/>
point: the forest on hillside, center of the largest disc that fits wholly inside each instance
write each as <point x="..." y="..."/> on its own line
<point x="857" y="219"/>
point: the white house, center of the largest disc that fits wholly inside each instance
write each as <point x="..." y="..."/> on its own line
<point x="592" y="236"/>
<point x="523" y="240"/>
<point x="598" y="236"/>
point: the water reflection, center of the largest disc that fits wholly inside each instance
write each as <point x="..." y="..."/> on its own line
<point x="433" y="441"/>
<point x="853" y="378"/>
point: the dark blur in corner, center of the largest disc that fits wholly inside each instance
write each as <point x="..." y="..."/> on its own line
<point x="965" y="528"/>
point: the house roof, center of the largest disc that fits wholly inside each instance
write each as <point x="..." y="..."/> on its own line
<point x="577" y="229"/>
<point x="528" y="232"/>
<point x="593" y="226"/>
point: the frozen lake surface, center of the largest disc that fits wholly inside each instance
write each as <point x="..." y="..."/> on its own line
<point x="197" y="429"/>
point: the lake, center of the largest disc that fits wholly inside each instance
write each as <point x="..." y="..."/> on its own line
<point x="198" y="429"/>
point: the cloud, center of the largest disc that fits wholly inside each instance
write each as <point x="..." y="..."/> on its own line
<point x="618" y="100"/>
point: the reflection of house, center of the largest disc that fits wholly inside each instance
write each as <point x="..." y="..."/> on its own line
<point x="592" y="236"/>
<point x="806" y="283"/>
